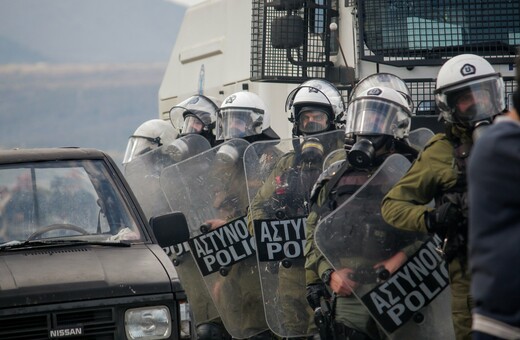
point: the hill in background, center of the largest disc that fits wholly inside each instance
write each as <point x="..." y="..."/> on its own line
<point x="84" y="105"/>
<point x="82" y="72"/>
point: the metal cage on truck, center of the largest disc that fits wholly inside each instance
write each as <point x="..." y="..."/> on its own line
<point x="292" y="40"/>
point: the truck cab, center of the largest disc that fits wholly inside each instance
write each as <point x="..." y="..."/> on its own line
<point x="77" y="256"/>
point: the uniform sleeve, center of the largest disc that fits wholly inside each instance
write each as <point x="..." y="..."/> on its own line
<point x="434" y="171"/>
<point x="315" y="262"/>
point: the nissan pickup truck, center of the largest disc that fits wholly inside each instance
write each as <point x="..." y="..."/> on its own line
<point x="78" y="259"/>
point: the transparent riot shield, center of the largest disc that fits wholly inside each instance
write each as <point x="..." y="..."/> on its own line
<point x="143" y="175"/>
<point x="335" y="156"/>
<point x="412" y="302"/>
<point x="278" y="210"/>
<point x="210" y="189"/>
<point x="419" y="137"/>
<point x="143" y="172"/>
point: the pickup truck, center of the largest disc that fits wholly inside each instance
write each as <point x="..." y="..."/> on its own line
<point x="78" y="259"/>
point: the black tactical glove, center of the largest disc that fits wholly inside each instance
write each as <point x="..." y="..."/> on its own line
<point x="315" y="292"/>
<point x="442" y="218"/>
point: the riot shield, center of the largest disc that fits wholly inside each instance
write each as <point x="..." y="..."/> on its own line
<point x="335" y="156"/>
<point x="278" y="212"/>
<point x="210" y="189"/>
<point x="409" y="303"/>
<point x="143" y="172"/>
<point x="143" y="175"/>
<point x="419" y="137"/>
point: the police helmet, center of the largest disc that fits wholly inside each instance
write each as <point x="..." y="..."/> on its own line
<point x="383" y="79"/>
<point x="149" y="136"/>
<point x="197" y="114"/>
<point x="243" y="114"/>
<point x="379" y="111"/>
<point x="316" y="106"/>
<point x="469" y="90"/>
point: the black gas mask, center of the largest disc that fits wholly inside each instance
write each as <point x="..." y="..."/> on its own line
<point x="362" y="154"/>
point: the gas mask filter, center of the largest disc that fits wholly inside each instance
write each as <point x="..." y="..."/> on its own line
<point x="312" y="151"/>
<point x="178" y="150"/>
<point x="227" y="155"/>
<point x="362" y="154"/>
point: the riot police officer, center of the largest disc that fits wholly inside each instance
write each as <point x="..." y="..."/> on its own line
<point x="469" y="94"/>
<point x="377" y="125"/>
<point x="316" y="110"/>
<point x="316" y="106"/>
<point x="242" y="115"/>
<point x="242" y="118"/>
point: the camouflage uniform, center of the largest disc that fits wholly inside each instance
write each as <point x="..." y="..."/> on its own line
<point x="436" y="172"/>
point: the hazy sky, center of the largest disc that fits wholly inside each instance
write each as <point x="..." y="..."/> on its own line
<point x="186" y="3"/>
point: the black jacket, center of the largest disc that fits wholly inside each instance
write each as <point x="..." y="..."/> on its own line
<point x="494" y="222"/>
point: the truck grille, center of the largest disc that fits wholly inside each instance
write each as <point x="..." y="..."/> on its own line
<point x="97" y="324"/>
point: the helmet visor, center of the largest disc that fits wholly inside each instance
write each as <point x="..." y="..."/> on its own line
<point x="192" y="124"/>
<point x="177" y="117"/>
<point x="238" y="123"/>
<point x="369" y="116"/>
<point x="313" y="120"/>
<point x="471" y="103"/>
<point x="199" y="106"/>
<point x="137" y="146"/>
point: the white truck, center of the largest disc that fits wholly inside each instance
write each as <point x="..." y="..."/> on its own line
<point x="270" y="46"/>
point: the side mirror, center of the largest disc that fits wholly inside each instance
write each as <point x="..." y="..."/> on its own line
<point x="170" y="229"/>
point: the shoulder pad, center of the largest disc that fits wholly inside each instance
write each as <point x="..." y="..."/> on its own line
<point x="331" y="170"/>
<point x="324" y="177"/>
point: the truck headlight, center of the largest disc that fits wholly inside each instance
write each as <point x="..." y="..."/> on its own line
<point x="148" y="323"/>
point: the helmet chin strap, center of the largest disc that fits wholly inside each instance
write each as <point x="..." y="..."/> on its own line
<point x="154" y="140"/>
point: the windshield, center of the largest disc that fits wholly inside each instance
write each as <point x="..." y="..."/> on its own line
<point x="62" y="199"/>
